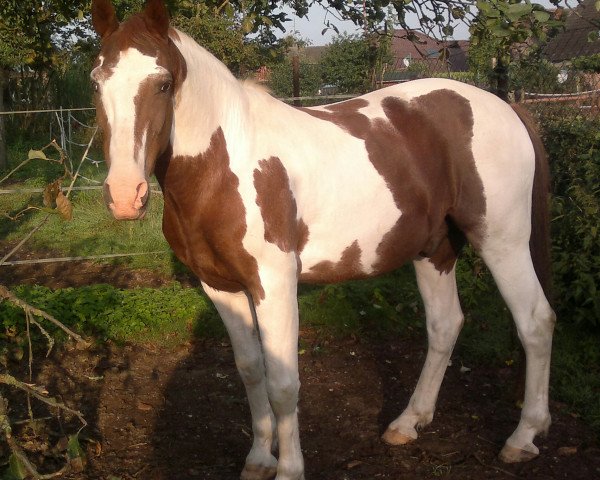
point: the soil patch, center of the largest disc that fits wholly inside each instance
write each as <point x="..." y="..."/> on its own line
<point x="84" y="272"/>
<point x="158" y="414"/>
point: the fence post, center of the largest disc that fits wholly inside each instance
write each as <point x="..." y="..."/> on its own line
<point x="3" y="159"/>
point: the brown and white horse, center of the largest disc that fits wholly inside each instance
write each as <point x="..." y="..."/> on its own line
<point x="259" y="195"/>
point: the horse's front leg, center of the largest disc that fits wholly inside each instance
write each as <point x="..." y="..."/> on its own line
<point x="236" y="311"/>
<point x="277" y="316"/>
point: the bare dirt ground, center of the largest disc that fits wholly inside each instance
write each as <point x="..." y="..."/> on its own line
<point x="181" y="414"/>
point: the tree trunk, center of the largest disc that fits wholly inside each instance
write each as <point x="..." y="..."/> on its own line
<point x="3" y="159"/>
<point x="296" y="78"/>
<point x="502" y="79"/>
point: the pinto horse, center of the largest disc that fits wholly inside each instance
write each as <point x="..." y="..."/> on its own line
<point x="259" y="195"/>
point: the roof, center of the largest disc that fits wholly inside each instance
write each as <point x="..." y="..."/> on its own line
<point x="573" y="40"/>
<point x="426" y="49"/>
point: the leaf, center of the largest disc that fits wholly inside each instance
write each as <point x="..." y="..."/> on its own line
<point x="36" y="154"/>
<point x="64" y="206"/>
<point x="518" y="10"/>
<point x="448" y="30"/>
<point x="500" y="32"/>
<point x="541" y="16"/>
<point x="458" y="13"/>
<point x="75" y="454"/>
<point x="50" y="193"/>
<point x="16" y="469"/>
<point x="247" y="24"/>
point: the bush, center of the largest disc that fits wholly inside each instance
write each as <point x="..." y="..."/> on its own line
<point x="573" y="145"/>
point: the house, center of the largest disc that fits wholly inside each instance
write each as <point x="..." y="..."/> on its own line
<point x="581" y="26"/>
<point x="416" y="54"/>
<point x="409" y="47"/>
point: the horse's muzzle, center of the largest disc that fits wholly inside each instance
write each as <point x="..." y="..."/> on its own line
<point x="125" y="202"/>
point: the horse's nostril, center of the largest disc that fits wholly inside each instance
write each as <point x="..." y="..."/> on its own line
<point x="143" y="192"/>
<point x="106" y="194"/>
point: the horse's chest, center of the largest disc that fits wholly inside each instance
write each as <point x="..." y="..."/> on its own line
<point x="204" y="221"/>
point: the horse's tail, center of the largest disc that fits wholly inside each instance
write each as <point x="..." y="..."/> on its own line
<point x="539" y="242"/>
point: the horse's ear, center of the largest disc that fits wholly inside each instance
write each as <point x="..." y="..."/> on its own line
<point x="104" y="18"/>
<point x="157" y="17"/>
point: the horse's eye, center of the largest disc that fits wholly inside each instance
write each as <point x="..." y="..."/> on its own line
<point x="95" y="86"/>
<point x="165" y="87"/>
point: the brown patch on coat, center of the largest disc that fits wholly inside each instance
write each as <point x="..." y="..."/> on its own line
<point x="278" y="207"/>
<point x="153" y="118"/>
<point x="423" y="151"/>
<point x="204" y="218"/>
<point x="349" y="266"/>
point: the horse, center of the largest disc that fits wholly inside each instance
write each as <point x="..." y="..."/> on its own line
<point x="260" y="195"/>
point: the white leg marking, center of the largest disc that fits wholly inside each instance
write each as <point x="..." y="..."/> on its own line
<point x="514" y="274"/>
<point x="236" y="312"/>
<point x="444" y="321"/>
<point x="277" y="316"/>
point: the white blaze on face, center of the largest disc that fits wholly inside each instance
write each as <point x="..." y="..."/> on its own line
<point x="126" y="179"/>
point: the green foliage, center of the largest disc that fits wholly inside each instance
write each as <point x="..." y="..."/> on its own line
<point x="29" y="31"/>
<point x="465" y="77"/>
<point x="376" y="307"/>
<point x="220" y="32"/>
<point x="353" y="62"/>
<point x="282" y="75"/>
<point x="16" y="470"/>
<point x="536" y="74"/>
<point x="499" y="25"/>
<point x="587" y="63"/>
<point x="573" y="144"/>
<point x="345" y="64"/>
<point x="168" y="315"/>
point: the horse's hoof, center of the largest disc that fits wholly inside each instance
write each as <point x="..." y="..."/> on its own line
<point x="510" y="454"/>
<point x="258" y="472"/>
<point x="394" y="437"/>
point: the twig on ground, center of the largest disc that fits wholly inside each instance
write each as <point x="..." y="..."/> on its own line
<point x="17" y="450"/>
<point x="8" y="295"/>
<point x="41" y="394"/>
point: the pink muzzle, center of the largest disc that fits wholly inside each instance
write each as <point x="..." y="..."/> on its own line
<point x="126" y="200"/>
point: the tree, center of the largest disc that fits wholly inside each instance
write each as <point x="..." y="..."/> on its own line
<point x="30" y="33"/>
<point x="498" y="27"/>
<point x="221" y="33"/>
<point x="353" y="62"/>
<point x="281" y="78"/>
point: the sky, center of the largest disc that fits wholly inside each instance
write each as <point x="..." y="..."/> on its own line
<point x="310" y="27"/>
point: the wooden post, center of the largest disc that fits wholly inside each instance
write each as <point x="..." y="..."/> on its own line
<point x="3" y="159"/>
<point x="296" y="77"/>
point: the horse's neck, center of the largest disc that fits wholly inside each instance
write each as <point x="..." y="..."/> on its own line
<point x="210" y="98"/>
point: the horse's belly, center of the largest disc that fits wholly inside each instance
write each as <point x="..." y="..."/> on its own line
<point x="376" y="247"/>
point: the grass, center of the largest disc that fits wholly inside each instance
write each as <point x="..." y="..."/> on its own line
<point x="92" y="231"/>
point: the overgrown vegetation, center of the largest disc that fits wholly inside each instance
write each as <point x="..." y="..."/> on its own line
<point x="573" y="144"/>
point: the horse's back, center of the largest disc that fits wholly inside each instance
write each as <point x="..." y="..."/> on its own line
<point x="376" y="179"/>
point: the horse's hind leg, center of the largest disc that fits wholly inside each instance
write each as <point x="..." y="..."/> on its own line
<point x="236" y="312"/>
<point x="513" y="271"/>
<point x="444" y="321"/>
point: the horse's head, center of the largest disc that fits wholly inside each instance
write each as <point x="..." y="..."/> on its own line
<point x="135" y="78"/>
